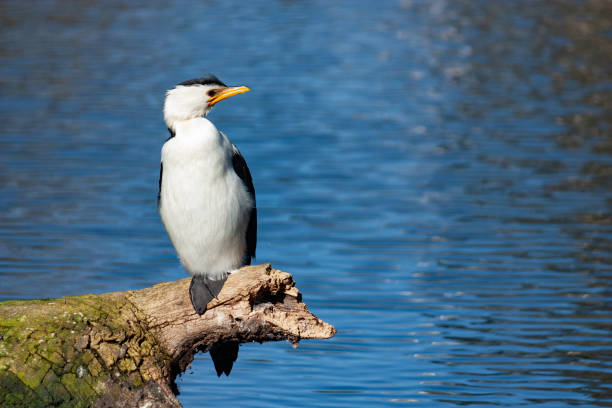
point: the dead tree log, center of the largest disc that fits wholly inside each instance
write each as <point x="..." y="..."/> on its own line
<point x="126" y="348"/>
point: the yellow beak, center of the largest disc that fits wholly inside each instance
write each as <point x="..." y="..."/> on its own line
<point x="226" y="93"/>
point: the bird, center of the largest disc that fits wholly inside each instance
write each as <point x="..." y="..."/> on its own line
<point x="206" y="197"/>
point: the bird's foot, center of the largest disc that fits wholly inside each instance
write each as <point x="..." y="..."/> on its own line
<point x="202" y="290"/>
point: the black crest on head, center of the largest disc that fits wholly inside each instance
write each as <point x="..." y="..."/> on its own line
<point x="207" y="80"/>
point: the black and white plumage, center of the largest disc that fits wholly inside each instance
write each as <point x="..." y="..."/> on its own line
<point x="206" y="196"/>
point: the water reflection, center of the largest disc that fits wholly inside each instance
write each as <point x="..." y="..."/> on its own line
<point x="435" y="174"/>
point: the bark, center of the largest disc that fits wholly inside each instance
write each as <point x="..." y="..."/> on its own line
<point x="126" y="348"/>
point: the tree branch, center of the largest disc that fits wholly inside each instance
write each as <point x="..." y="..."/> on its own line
<point x="126" y="348"/>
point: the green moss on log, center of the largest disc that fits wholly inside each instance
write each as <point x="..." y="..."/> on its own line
<point x="68" y="351"/>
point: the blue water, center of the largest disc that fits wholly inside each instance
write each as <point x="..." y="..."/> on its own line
<point x="437" y="176"/>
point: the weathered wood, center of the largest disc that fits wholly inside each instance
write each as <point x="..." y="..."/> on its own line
<point x="126" y="348"/>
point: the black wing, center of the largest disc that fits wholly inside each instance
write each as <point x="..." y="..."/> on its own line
<point x="161" y="171"/>
<point x="242" y="170"/>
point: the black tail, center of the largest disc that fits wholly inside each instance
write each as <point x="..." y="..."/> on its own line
<point x="223" y="356"/>
<point x="202" y="290"/>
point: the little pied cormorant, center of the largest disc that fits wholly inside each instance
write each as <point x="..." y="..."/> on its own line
<point x="206" y="196"/>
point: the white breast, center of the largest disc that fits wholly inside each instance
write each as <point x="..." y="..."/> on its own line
<point x="203" y="204"/>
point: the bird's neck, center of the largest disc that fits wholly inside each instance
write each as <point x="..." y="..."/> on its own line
<point x="198" y="146"/>
<point x="201" y="135"/>
<point x="195" y="127"/>
<point x="175" y="117"/>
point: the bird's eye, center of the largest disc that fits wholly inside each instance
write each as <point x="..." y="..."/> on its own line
<point x="212" y="93"/>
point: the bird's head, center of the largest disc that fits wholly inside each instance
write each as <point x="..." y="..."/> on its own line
<point x="195" y="98"/>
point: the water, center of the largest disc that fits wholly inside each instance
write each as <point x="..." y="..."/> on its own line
<point x="436" y="176"/>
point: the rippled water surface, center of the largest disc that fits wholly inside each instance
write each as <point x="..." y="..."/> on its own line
<point x="437" y="175"/>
